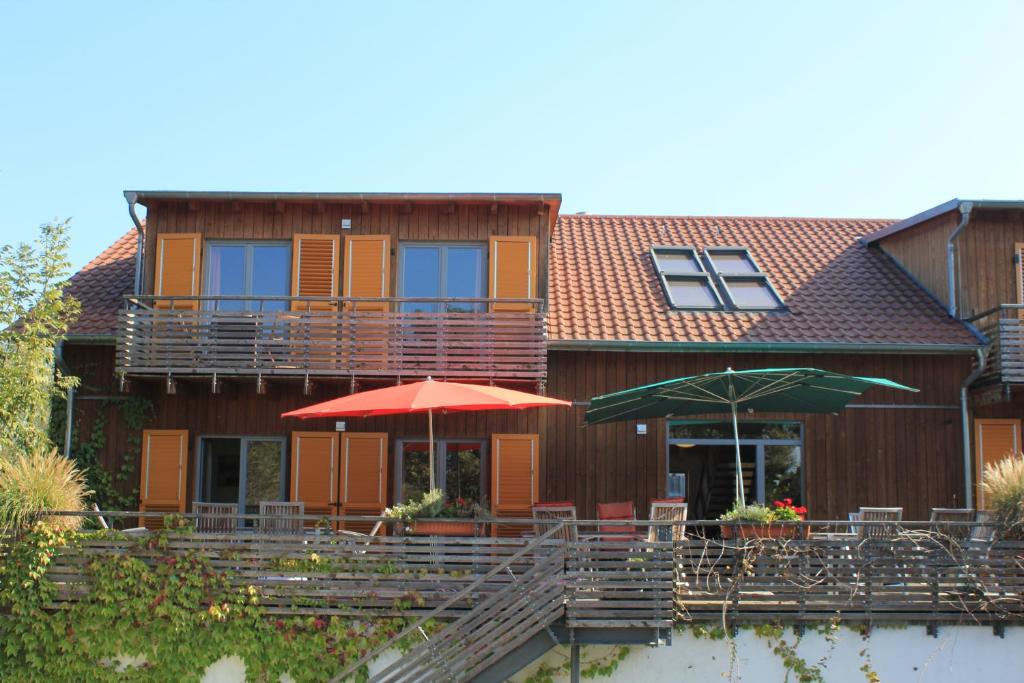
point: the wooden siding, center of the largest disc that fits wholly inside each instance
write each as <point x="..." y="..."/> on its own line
<point x="868" y="456"/>
<point x="403" y="222"/>
<point x="985" y="257"/>
<point x="921" y="250"/>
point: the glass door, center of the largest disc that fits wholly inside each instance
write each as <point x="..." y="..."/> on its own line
<point x="431" y="270"/>
<point x="241" y="470"/>
<point x="459" y="469"/>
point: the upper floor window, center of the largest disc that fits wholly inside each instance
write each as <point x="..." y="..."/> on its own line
<point x="249" y="269"/>
<point x="437" y="270"/>
<point x="722" y="278"/>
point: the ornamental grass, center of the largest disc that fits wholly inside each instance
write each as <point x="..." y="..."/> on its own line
<point x="1003" y="485"/>
<point x="40" y="481"/>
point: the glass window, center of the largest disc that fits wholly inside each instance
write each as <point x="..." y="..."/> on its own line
<point x="713" y="429"/>
<point x="751" y="293"/>
<point x="463" y="471"/>
<point x="250" y="269"/>
<point x="415" y="469"/>
<point x="781" y="473"/>
<point x="441" y="271"/>
<point x="732" y="262"/>
<point x="695" y="293"/>
<point x="242" y="470"/>
<point x="686" y="283"/>
<point x="459" y="469"/>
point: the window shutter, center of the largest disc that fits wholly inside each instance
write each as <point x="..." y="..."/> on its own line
<point x="314" y="472"/>
<point x="994" y="440"/>
<point x="368" y="270"/>
<point x="514" y="478"/>
<point x="1018" y="269"/>
<point x="364" y="476"/>
<point x="314" y="270"/>
<point x="178" y="260"/>
<point x="162" y="487"/>
<point x="513" y="271"/>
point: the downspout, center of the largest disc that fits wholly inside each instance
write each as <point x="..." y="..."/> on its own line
<point x="58" y="356"/>
<point x="133" y="199"/>
<point x="965" y="217"/>
<point x="966" y="425"/>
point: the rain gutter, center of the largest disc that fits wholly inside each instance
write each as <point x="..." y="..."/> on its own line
<point x="965" y="423"/>
<point x="133" y="198"/>
<point x="769" y="347"/>
<point x="69" y="416"/>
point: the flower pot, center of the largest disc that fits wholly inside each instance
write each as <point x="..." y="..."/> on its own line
<point x="757" y="530"/>
<point x="443" y="528"/>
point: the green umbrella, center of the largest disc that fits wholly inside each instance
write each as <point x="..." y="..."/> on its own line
<point x="777" y="390"/>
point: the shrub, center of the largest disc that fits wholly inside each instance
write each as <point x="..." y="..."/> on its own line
<point x="1003" y="485"/>
<point x="755" y="513"/>
<point x="35" y="482"/>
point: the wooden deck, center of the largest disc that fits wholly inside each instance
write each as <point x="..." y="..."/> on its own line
<point x="316" y="336"/>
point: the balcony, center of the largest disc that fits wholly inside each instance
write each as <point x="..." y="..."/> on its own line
<point x="1004" y="326"/>
<point x="343" y="337"/>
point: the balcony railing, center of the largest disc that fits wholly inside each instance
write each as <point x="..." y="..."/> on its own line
<point x="1004" y="326"/>
<point x="340" y="336"/>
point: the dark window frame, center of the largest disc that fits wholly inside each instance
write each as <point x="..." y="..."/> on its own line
<point x="702" y="276"/>
<point x="725" y="277"/>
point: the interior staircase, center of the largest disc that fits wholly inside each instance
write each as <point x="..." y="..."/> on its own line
<point x="720" y="491"/>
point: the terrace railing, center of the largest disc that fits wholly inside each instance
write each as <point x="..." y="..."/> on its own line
<point x="340" y="336"/>
<point x="1004" y="326"/>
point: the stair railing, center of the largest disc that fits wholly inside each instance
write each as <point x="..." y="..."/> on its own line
<point x="417" y="626"/>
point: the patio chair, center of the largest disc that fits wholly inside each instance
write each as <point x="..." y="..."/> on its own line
<point x="99" y="517"/>
<point x="957" y="532"/>
<point x="562" y="510"/>
<point x="215" y="518"/>
<point x="878" y="531"/>
<point x="614" y="512"/>
<point x="667" y="510"/>
<point x="275" y="517"/>
<point x="984" y="530"/>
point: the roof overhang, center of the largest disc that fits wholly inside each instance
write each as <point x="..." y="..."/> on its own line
<point x="758" y="347"/>
<point x="945" y="207"/>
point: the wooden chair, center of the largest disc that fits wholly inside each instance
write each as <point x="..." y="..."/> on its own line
<point x="615" y="512"/>
<point x="275" y="517"/>
<point x="667" y="510"/>
<point x="878" y="531"/>
<point x="215" y="518"/>
<point x="563" y="510"/>
<point x="957" y="532"/>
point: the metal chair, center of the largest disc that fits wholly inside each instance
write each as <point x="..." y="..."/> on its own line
<point x="278" y="517"/>
<point x="957" y="532"/>
<point x="559" y="511"/>
<point x="667" y="510"/>
<point x="878" y="531"/>
<point x="984" y="530"/>
<point x="215" y="518"/>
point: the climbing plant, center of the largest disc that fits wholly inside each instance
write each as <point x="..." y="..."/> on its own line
<point x="174" y="614"/>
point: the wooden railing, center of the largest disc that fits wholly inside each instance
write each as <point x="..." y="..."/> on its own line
<point x="1004" y="326"/>
<point x="452" y="338"/>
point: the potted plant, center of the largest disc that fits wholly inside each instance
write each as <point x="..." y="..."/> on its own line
<point x="760" y="521"/>
<point x="433" y="515"/>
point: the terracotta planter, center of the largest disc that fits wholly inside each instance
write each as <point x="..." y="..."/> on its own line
<point x="753" y="530"/>
<point x="433" y="528"/>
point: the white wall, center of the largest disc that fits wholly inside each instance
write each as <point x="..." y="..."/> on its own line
<point x="903" y="655"/>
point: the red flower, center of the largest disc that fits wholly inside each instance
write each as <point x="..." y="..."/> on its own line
<point x="777" y="503"/>
<point x="788" y="502"/>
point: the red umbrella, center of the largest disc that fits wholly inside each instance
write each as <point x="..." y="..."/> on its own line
<point x="425" y="397"/>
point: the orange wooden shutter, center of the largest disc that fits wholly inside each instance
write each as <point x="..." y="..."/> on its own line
<point x="314" y="270"/>
<point x="513" y="271"/>
<point x="364" y="475"/>
<point x="1018" y="270"/>
<point x="178" y="261"/>
<point x="162" y="487"/>
<point x="314" y="479"/>
<point x="368" y="269"/>
<point x="514" y="478"/>
<point x="994" y="440"/>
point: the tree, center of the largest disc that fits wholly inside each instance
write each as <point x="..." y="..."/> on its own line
<point x="34" y="316"/>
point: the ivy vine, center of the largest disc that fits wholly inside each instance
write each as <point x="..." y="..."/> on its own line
<point x="174" y="613"/>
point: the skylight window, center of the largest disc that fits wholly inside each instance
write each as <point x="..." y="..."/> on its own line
<point x="686" y="283"/>
<point x="722" y="278"/>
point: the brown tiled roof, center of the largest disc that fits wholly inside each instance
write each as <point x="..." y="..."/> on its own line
<point x="101" y="285"/>
<point x="603" y="286"/>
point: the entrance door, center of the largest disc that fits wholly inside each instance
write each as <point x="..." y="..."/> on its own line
<point x="702" y="464"/>
<point x="994" y="440"/>
<point x="241" y="470"/>
<point x="459" y="469"/>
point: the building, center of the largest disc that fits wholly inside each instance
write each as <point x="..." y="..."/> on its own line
<point x="225" y="310"/>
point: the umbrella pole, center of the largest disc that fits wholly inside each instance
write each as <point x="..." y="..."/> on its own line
<point x="430" y="438"/>
<point x="739" y="463"/>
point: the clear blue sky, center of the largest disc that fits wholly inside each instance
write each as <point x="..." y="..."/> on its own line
<point x="876" y="109"/>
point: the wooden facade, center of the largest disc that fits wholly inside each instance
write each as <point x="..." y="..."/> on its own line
<point x="901" y="449"/>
